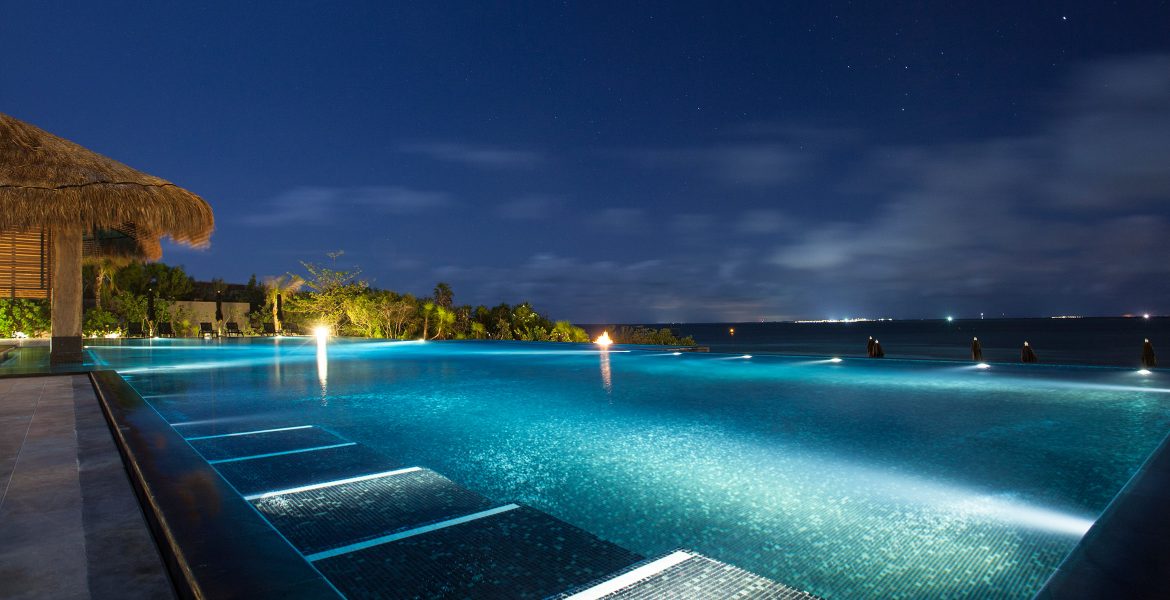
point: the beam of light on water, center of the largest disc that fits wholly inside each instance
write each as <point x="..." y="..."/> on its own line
<point x="1024" y="515"/>
<point x="606" y="373"/>
<point x="323" y="364"/>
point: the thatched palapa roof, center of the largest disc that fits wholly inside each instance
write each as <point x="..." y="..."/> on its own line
<point x="50" y="182"/>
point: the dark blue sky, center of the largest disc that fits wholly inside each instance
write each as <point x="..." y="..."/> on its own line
<point x="658" y="162"/>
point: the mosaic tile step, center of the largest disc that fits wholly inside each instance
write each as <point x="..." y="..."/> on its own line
<point x="684" y="575"/>
<point x="267" y="441"/>
<point x="263" y="475"/>
<point x="328" y="516"/>
<point x="519" y="552"/>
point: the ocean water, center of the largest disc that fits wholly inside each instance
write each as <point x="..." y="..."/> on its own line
<point x="851" y="479"/>
<point x="1089" y="341"/>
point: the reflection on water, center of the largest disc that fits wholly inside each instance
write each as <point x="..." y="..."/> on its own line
<point x="606" y="374"/>
<point x="322" y="366"/>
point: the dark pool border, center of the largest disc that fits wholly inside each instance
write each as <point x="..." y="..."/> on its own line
<point x="214" y="543"/>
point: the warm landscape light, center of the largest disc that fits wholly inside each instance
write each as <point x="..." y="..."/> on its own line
<point x="322" y="333"/>
<point x="603" y="340"/>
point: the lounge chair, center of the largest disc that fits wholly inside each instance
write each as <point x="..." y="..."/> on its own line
<point x="233" y="329"/>
<point x="134" y="330"/>
<point x="270" y="329"/>
<point x="165" y="329"/>
<point x="206" y="329"/>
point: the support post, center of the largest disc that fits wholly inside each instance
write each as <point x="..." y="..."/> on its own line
<point x="65" y="346"/>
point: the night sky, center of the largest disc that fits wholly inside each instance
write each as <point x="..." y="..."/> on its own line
<point x="656" y="163"/>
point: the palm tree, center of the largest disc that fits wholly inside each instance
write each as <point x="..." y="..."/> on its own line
<point x="443" y="295"/>
<point x="104" y="268"/>
<point x="275" y="286"/>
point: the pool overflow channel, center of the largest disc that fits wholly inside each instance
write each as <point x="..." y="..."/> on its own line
<point x="377" y="531"/>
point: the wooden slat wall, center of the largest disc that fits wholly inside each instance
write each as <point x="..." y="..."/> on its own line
<point x="25" y="264"/>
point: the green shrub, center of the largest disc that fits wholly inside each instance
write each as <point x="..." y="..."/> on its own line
<point x="99" y="322"/>
<point x="30" y="317"/>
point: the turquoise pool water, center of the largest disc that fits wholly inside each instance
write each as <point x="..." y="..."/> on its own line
<point x="854" y="479"/>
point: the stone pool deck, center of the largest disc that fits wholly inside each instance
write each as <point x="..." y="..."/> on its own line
<point x="70" y="524"/>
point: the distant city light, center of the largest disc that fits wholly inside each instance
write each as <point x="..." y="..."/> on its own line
<point x="1146" y="316"/>
<point x="950" y="318"/>
<point x="732" y="331"/>
<point x="603" y="340"/>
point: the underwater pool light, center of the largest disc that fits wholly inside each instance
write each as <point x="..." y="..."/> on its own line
<point x="982" y="366"/>
<point x="746" y="356"/>
<point x="677" y="353"/>
<point x="1144" y="372"/>
<point x="835" y="359"/>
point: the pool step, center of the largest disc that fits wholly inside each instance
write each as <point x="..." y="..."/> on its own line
<point x="281" y="472"/>
<point x="344" y="512"/>
<point x="686" y="574"/>
<point x="246" y="445"/>
<point x="377" y="531"/>
<point x="507" y="552"/>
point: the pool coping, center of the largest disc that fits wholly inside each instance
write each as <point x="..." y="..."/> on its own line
<point x="214" y="544"/>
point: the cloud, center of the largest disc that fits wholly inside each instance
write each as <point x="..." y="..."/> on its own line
<point x="1110" y="145"/>
<point x="763" y="221"/>
<point x="651" y="289"/>
<point x="531" y="207"/>
<point x="482" y="156"/>
<point x="689" y="225"/>
<point x="618" y="220"/>
<point x="1069" y="216"/>
<point x="752" y="164"/>
<point x="325" y="205"/>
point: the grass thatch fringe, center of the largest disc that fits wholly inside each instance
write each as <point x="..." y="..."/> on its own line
<point x="50" y="182"/>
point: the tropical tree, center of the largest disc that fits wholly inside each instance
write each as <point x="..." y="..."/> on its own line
<point x="443" y="295"/>
<point x="330" y="289"/>
<point x="427" y="309"/>
<point x="283" y="286"/>
<point x="166" y="281"/>
<point x="444" y="320"/>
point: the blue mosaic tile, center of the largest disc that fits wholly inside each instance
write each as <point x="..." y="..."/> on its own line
<point x="521" y="553"/>
<point x="238" y="445"/>
<point x="262" y="475"/>
<point x="324" y="518"/>
<point x="703" y="577"/>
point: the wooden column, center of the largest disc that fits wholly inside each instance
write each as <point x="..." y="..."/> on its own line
<point x="66" y="297"/>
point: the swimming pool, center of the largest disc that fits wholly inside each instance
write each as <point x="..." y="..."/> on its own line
<point x="860" y="478"/>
